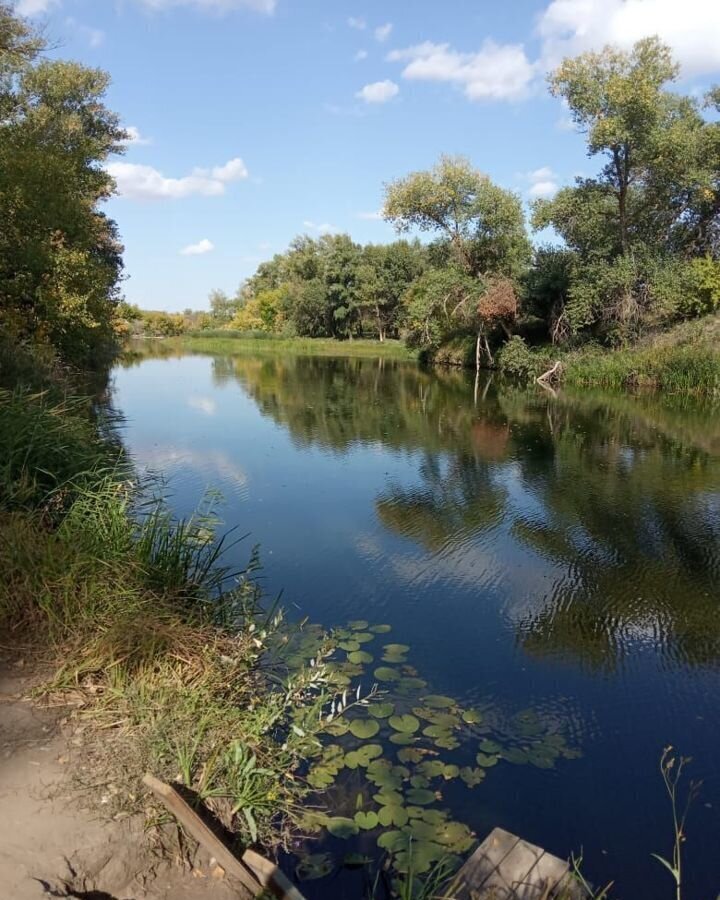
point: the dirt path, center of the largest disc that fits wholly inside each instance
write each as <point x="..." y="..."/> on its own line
<point x="51" y="848"/>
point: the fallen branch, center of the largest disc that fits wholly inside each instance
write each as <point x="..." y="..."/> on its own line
<point x="550" y="374"/>
<point x="252" y="870"/>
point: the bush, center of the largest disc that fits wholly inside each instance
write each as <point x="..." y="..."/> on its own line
<point x="515" y="358"/>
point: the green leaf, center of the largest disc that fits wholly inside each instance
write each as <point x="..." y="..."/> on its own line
<point x="486" y="761"/>
<point x="437" y="701"/>
<point x="381" y="710"/>
<point x="384" y="673"/>
<point x="341" y="827"/>
<point x="392" y="815"/>
<point x="380" y="629"/>
<point x="363" y="637"/>
<point x="358" y="625"/>
<point x="366" y="820"/>
<point x="472" y="777"/>
<point x="674" y="872"/>
<point x="360" y="656"/>
<point x="407" y="723"/>
<point x="316" y="865"/>
<point x="420" y="796"/>
<point x="364" y="728"/>
<point x="471" y="717"/>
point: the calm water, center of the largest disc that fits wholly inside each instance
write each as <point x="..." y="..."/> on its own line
<point x="555" y="553"/>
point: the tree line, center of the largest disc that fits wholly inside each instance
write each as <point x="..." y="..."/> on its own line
<point x="636" y="246"/>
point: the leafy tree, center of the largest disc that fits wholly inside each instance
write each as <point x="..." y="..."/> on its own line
<point x="483" y="223"/>
<point x="60" y="256"/>
<point x="384" y="276"/>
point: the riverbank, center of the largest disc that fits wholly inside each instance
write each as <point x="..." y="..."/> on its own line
<point x="169" y="662"/>
<point x="222" y="341"/>
<point x="684" y="359"/>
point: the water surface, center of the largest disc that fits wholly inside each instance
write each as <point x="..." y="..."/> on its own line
<point x="558" y="553"/>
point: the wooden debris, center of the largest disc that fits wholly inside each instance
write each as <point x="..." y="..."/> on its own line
<point x="254" y="871"/>
<point x="504" y="867"/>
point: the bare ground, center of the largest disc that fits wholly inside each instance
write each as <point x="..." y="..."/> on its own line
<point x="52" y="847"/>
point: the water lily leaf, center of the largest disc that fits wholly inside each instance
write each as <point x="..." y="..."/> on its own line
<point x="420" y="796"/>
<point x="437" y="701"/>
<point x="541" y="758"/>
<point x="367" y="753"/>
<point x="450" y="772"/>
<point x="316" y="865"/>
<point x="401" y="738"/>
<point x="360" y="656"/>
<point x="419" y="781"/>
<point x="380" y="629"/>
<point x="472" y="777"/>
<point x="445" y="720"/>
<point x="415" y="812"/>
<point x="338" y="727"/>
<point x="363" y="637"/>
<point x="471" y="717"/>
<point x="486" y="761"/>
<point x="407" y="723"/>
<point x="408" y="685"/>
<point x="490" y="747"/>
<point x="436" y="731"/>
<point x="393" y="841"/>
<point x="410" y="754"/>
<point x="527" y="723"/>
<point x="418" y="858"/>
<point x="341" y="827"/>
<point x="364" y="728"/>
<point x="385" y="780"/>
<point x="515" y="756"/>
<point x="381" y="710"/>
<point x="384" y="673"/>
<point x="366" y="820"/>
<point x="447" y="743"/>
<point x="350" y="646"/>
<point x="358" y="625"/>
<point x="395" y="653"/>
<point x="432" y="768"/>
<point x="388" y="798"/>
<point x="434" y="816"/>
<point x="572" y="753"/>
<point x="392" y="815"/>
<point x="352" y="759"/>
<point x="454" y="835"/>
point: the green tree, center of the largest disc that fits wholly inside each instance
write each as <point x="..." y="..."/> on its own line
<point x="483" y="223"/>
<point x="60" y="256"/>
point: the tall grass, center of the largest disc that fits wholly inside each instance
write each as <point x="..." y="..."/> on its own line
<point x="219" y="341"/>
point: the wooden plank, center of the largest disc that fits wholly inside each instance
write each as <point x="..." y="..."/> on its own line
<point x="254" y="871"/>
<point x="192" y="822"/>
<point x="512" y="874"/>
<point x="483" y="863"/>
<point x="542" y="880"/>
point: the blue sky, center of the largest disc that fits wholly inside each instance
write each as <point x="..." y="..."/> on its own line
<point x="257" y="120"/>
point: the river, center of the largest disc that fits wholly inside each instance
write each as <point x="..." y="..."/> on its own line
<point x="559" y="554"/>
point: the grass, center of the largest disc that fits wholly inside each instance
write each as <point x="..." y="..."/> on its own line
<point x="180" y="669"/>
<point x="222" y="341"/>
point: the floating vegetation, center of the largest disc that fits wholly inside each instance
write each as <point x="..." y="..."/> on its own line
<point x="384" y="768"/>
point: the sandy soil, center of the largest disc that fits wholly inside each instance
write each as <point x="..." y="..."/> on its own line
<point x="49" y="846"/>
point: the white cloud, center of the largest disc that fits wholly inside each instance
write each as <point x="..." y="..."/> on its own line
<point x="134" y="136"/>
<point x="34" y="7"/>
<point x="93" y="36"/>
<point x="495" y="72"/>
<point x="199" y="249"/>
<point x="324" y="228"/>
<point x="370" y="216"/>
<point x="378" y="92"/>
<point x="360" y="55"/>
<point x="543" y="183"/>
<point x="690" y="27"/>
<point x="147" y="183"/>
<point x="382" y="32"/>
<point x="357" y="23"/>
<point x="205" y="405"/>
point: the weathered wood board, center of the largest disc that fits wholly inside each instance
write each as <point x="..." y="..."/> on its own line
<point x="504" y="867"/>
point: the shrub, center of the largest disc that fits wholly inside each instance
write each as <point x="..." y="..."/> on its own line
<point x="515" y="358"/>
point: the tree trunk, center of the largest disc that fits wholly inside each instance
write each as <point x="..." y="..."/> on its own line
<point x="477" y="352"/>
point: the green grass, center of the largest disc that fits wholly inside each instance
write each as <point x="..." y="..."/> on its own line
<point x="228" y="341"/>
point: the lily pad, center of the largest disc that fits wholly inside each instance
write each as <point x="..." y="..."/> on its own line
<point x="358" y="625"/>
<point x="486" y="760"/>
<point x="437" y="701"/>
<point x="410" y="754"/>
<point x="488" y="746"/>
<point x="471" y="717"/>
<point x="385" y="673"/>
<point x="420" y="796"/>
<point x="407" y="723"/>
<point x="363" y="637"/>
<point x="349" y="646"/>
<point x="432" y="768"/>
<point x="393" y="841"/>
<point x="341" y="827"/>
<point x="381" y="710"/>
<point x="408" y="685"/>
<point x="401" y="738"/>
<point x="366" y="820"/>
<point x="392" y="815"/>
<point x="360" y="657"/>
<point x="472" y="777"/>
<point x="395" y="653"/>
<point x="419" y="781"/>
<point x="515" y="756"/>
<point x="380" y="629"/>
<point x="364" y="728"/>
